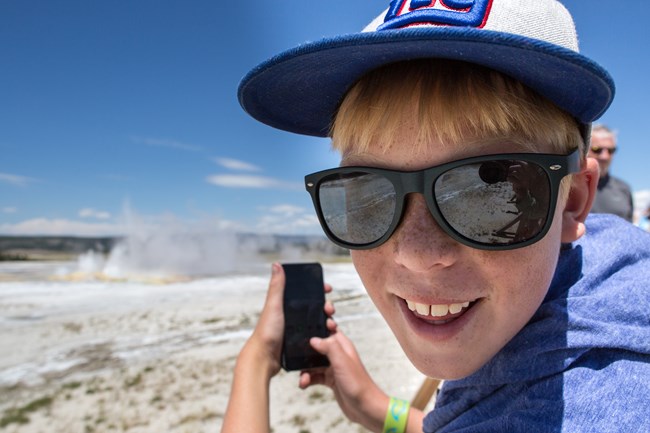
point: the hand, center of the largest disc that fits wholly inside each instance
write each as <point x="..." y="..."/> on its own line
<point x="258" y="362"/>
<point x="360" y="399"/>
<point x="265" y="343"/>
<point x="266" y="340"/>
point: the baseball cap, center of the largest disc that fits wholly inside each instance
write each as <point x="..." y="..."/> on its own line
<point x="535" y="42"/>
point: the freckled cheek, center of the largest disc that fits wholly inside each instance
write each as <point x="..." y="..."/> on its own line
<point x="371" y="266"/>
<point x="525" y="285"/>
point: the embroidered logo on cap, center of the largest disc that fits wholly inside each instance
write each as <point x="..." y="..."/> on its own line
<point x="465" y="13"/>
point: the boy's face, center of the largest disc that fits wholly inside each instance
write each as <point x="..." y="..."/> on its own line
<point x="422" y="266"/>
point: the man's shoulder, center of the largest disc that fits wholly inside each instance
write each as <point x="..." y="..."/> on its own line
<point x="618" y="183"/>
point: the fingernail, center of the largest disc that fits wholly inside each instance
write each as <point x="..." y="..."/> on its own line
<point x="275" y="268"/>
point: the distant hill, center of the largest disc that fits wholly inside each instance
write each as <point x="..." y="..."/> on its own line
<point x="63" y="247"/>
<point x="41" y="247"/>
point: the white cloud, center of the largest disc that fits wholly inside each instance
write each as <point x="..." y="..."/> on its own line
<point x="281" y="224"/>
<point x="246" y="181"/>
<point x="281" y="219"/>
<point x="60" y="227"/>
<point x="93" y="213"/>
<point x="164" y="142"/>
<point x="288" y="219"/>
<point x="15" y="179"/>
<point x="287" y="210"/>
<point x="308" y="221"/>
<point x="235" y="164"/>
<point x="9" y="209"/>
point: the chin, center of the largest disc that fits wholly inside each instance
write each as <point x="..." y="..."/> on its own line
<point x="447" y="372"/>
<point x="447" y="366"/>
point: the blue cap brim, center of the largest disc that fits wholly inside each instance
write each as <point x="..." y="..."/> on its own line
<point x="300" y="89"/>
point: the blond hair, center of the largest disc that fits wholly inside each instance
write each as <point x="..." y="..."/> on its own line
<point x="452" y="101"/>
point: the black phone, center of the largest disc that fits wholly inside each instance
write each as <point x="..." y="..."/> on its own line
<point x="304" y="316"/>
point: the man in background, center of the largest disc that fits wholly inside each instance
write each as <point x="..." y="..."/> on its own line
<point x="613" y="195"/>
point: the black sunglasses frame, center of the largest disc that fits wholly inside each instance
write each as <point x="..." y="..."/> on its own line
<point x="555" y="166"/>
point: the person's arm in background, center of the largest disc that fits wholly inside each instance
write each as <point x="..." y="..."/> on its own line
<point x="257" y="363"/>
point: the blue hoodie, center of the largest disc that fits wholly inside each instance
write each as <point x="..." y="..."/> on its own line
<point x="582" y="363"/>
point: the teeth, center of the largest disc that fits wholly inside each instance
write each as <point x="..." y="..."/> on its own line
<point x="422" y="309"/>
<point x="438" y="310"/>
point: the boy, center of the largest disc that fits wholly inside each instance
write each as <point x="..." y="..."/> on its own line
<point x="462" y="194"/>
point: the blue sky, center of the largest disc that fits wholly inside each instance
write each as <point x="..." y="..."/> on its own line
<point x="110" y="109"/>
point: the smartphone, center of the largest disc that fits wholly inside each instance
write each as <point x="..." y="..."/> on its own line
<point x="304" y="316"/>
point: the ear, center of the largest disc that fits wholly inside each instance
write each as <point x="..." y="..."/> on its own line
<point x="578" y="204"/>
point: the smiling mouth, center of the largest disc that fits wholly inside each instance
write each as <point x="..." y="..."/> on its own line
<point x="439" y="314"/>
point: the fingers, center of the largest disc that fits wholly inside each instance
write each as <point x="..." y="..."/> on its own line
<point x="331" y="325"/>
<point x="330" y="311"/>
<point x="329" y="308"/>
<point x="305" y="380"/>
<point x="313" y="377"/>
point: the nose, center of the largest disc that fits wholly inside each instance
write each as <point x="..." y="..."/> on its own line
<point x="419" y="243"/>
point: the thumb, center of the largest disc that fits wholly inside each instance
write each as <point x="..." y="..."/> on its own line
<point x="337" y="347"/>
<point x="271" y="322"/>
<point x="323" y="345"/>
<point x="276" y="286"/>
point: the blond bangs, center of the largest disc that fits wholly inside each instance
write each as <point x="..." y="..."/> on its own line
<point x="453" y="102"/>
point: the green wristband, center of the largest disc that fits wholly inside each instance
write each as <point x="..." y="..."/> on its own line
<point x="396" y="416"/>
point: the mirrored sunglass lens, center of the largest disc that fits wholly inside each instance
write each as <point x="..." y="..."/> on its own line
<point x="357" y="207"/>
<point x="496" y="202"/>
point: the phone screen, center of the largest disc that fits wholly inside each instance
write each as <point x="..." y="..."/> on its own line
<point x="304" y="316"/>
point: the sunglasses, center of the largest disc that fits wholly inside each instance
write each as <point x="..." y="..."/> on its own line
<point x="491" y="202"/>
<point x="598" y="150"/>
